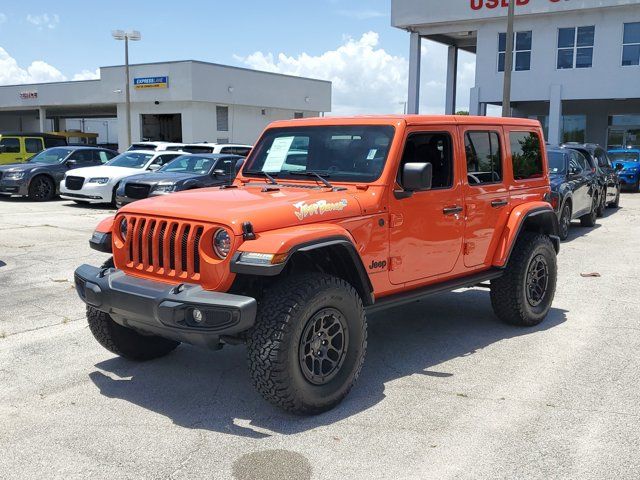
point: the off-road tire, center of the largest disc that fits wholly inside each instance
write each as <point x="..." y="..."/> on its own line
<point x="275" y="343"/>
<point x="589" y="220"/>
<point x="564" y="221"/>
<point x="125" y="342"/>
<point x="41" y="189"/>
<point x="509" y="297"/>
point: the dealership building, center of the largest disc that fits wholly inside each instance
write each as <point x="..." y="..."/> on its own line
<point x="576" y="63"/>
<point x="183" y="101"/>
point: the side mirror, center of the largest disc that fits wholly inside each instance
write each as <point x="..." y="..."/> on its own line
<point x="417" y="177"/>
<point x="619" y="167"/>
<point x="154" y="167"/>
<point x="72" y="163"/>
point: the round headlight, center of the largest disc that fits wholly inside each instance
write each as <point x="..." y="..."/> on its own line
<point x="222" y="243"/>
<point x="123" y="228"/>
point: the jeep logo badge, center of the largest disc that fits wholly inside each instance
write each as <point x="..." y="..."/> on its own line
<point x="377" y="264"/>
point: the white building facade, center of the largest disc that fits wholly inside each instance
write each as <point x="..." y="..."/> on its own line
<point x="576" y="62"/>
<point x="184" y="101"/>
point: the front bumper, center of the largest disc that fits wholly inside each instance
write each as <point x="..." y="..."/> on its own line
<point x="165" y="310"/>
<point x="628" y="179"/>
<point x="90" y="192"/>
<point x="14" y="187"/>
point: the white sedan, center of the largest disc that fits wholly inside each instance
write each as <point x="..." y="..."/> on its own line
<point x="98" y="184"/>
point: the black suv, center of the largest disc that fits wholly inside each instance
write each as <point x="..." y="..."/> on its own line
<point x="574" y="188"/>
<point x="606" y="174"/>
<point x="39" y="177"/>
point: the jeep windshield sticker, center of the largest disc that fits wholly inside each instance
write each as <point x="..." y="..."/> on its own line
<point x="372" y="154"/>
<point x="277" y="154"/>
<point x="320" y="207"/>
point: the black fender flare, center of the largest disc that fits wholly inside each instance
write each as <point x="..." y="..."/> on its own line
<point x="543" y="219"/>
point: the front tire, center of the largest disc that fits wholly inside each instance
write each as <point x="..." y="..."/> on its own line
<point x="125" y="342"/>
<point x="564" y="222"/>
<point x="524" y="294"/>
<point x="41" y="189"/>
<point x="309" y="342"/>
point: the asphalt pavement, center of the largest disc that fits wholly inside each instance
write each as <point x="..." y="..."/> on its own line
<point x="447" y="391"/>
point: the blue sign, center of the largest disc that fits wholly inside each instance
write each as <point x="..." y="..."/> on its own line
<point x="151" y="82"/>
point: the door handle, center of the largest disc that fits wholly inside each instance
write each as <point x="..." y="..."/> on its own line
<point x="454" y="210"/>
<point x="499" y="203"/>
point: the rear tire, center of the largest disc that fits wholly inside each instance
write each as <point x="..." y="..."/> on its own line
<point x="589" y="220"/>
<point x="602" y="204"/>
<point x="309" y="342"/>
<point x="616" y="202"/>
<point x="125" y="342"/>
<point x="41" y="189"/>
<point x="524" y="294"/>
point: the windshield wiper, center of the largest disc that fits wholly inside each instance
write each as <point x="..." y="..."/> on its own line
<point x="271" y="179"/>
<point x="311" y="173"/>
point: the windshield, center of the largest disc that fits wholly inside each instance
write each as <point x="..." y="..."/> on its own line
<point x="342" y="153"/>
<point x="189" y="164"/>
<point x="52" y="156"/>
<point x="624" y="157"/>
<point x="130" y="160"/>
<point x="556" y="162"/>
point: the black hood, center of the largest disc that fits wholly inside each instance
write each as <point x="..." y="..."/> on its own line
<point x="163" y="177"/>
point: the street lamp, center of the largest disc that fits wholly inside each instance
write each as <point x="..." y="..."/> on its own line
<point x="134" y="36"/>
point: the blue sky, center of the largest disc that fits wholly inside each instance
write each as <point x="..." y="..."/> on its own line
<point x="71" y="39"/>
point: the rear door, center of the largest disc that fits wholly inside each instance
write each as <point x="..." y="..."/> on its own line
<point x="427" y="227"/>
<point x="486" y="195"/>
<point x="32" y="145"/>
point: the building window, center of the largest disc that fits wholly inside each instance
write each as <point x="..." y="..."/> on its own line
<point x="222" y="140"/>
<point x="521" y="51"/>
<point x="631" y="45"/>
<point x="298" y="115"/>
<point x="484" y="164"/>
<point x="575" y="47"/>
<point x="574" y="128"/>
<point x="222" y="119"/>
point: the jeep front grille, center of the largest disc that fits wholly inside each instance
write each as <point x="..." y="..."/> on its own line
<point x="167" y="248"/>
<point x="74" y="183"/>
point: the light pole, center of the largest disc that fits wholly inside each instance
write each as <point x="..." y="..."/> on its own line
<point x="134" y="36"/>
<point x="508" y="61"/>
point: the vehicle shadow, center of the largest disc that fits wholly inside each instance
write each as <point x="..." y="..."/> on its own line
<point x="89" y="206"/>
<point x="212" y="391"/>
<point x="577" y="231"/>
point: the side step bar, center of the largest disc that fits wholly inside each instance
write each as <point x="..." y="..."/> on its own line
<point x="418" y="294"/>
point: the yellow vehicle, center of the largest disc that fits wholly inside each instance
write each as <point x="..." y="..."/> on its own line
<point x="76" y="137"/>
<point x="20" y="147"/>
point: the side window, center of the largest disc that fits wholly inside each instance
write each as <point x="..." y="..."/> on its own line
<point x="582" y="161"/>
<point x="484" y="162"/>
<point x="603" y="160"/>
<point x="434" y="148"/>
<point x="574" y="164"/>
<point x="54" y="142"/>
<point x="525" y="155"/>
<point x="101" y="157"/>
<point x="33" y="145"/>
<point x="83" y="157"/>
<point x="163" y="159"/>
<point x="10" y="144"/>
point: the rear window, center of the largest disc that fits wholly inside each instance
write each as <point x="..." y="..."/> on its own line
<point x="143" y="146"/>
<point x="484" y="162"/>
<point x="526" y="155"/>
<point x="33" y="145"/>
<point x="197" y="149"/>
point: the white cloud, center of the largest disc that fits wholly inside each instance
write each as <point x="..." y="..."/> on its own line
<point x="3" y="17"/>
<point x="38" y="72"/>
<point x="367" y="79"/>
<point x="44" y="20"/>
<point x="361" y="14"/>
<point x="87" y="75"/>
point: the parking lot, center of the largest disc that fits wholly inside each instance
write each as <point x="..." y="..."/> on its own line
<point x="447" y="391"/>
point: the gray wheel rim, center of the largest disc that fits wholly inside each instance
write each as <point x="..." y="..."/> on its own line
<point x="537" y="280"/>
<point x="323" y="346"/>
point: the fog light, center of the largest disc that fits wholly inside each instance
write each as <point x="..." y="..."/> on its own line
<point x="197" y="315"/>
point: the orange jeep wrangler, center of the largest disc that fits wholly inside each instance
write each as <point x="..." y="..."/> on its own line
<point x="330" y="219"/>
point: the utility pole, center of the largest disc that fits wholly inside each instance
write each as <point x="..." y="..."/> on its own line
<point x="508" y="61"/>
<point x="135" y="36"/>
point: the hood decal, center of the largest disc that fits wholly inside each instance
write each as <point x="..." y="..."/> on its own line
<point x="320" y="207"/>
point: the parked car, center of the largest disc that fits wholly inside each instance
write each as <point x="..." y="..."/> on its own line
<point x="606" y="175"/>
<point x="186" y="172"/>
<point x="627" y="163"/>
<point x="99" y="184"/>
<point x="574" y="188"/>
<point x="155" y="146"/>
<point x="40" y="176"/>
<point x="20" y="147"/>
<point x="228" y="148"/>
<point x="386" y="211"/>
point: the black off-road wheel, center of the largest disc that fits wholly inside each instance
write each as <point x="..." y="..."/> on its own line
<point x="126" y="342"/>
<point x="41" y="189"/>
<point x="589" y="220"/>
<point x="564" y="222"/>
<point x="309" y="342"/>
<point x="524" y="294"/>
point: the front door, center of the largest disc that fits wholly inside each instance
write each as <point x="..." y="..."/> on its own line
<point x="12" y="150"/>
<point x="426" y="228"/>
<point x="485" y="193"/>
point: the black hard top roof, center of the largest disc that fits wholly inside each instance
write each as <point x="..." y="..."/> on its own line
<point x="31" y="134"/>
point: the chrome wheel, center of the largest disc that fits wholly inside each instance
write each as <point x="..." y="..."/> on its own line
<point x="537" y="280"/>
<point x="323" y="346"/>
